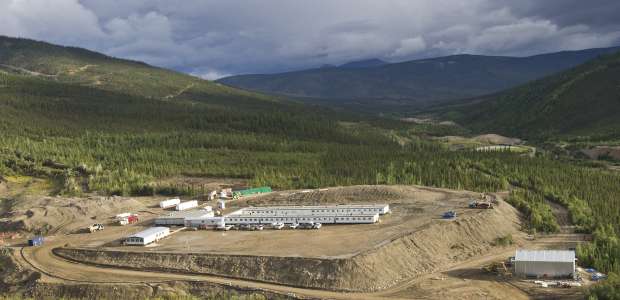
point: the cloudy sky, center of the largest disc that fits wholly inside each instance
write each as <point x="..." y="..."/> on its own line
<point x="214" y="38"/>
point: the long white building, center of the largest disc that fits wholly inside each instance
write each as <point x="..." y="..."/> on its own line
<point x="326" y="214"/>
<point x="178" y="218"/>
<point x="148" y="236"/>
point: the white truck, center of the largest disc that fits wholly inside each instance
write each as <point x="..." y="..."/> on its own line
<point x="95" y="227"/>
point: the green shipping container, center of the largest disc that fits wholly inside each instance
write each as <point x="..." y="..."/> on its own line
<point x="252" y="191"/>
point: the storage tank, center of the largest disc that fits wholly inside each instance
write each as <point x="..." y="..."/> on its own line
<point x="169" y="203"/>
<point x="187" y="205"/>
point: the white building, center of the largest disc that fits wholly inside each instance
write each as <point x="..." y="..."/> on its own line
<point x="178" y="218"/>
<point x="148" y="236"/>
<point x="187" y="205"/>
<point x="169" y="203"/>
<point x="334" y="214"/>
<point x="205" y="222"/>
<point x="544" y="263"/>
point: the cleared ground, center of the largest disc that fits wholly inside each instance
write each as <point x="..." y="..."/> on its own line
<point x="412" y="209"/>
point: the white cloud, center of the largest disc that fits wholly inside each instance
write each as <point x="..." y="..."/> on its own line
<point x="409" y="47"/>
<point x="210" y="75"/>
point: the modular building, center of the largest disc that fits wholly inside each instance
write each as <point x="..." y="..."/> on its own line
<point x="252" y="191"/>
<point x="169" y="203"/>
<point x="206" y="222"/>
<point x="544" y="263"/>
<point x="334" y="214"/>
<point x="148" y="236"/>
<point x="178" y="218"/>
<point x="327" y="210"/>
<point x="187" y="205"/>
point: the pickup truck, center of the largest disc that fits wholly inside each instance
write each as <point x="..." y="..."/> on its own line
<point x="293" y="226"/>
<point x="95" y="227"/>
<point x="277" y="225"/>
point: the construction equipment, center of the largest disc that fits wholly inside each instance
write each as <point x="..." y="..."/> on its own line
<point x="95" y="227"/>
<point x="449" y="215"/>
<point x="131" y="219"/>
<point x="36" y="241"/>
<point x="481" y="205"/>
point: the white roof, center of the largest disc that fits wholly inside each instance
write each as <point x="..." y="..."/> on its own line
<point x="187" y="214"/>
<point x="151" y="231"/>
<point x="338" y="206"/>
<point x="545" y="255"/>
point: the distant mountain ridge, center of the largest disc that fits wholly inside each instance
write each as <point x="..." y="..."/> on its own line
<point x="366" y="63"/>
<point x="582" y="101"/>
<point x="415" y="82"/>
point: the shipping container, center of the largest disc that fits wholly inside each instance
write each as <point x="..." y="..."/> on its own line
<point x="187" y="205"/>
<point x="169" y="203"/>
<point x="252" y="191"/>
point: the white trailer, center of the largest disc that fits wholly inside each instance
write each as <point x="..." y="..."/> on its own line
<point x="187" y="205"/>
<point x="178" y="218"/>
<point x="221" y="204"/>
<point x="238" y="219"/>
<point x="169" y="203"/>
<point x="208" y="222"/>
<point x="148" y="236"/>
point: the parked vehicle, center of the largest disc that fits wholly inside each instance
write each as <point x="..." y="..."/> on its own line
<point x="317" y="226"/>
<point x="95" y="227"/>
<point x="245" y="227"/>
<point x="449" y="215"/>
<point x="258" y="227"/>
<point x="224" y="228"/>
<point x="131" y="219"/>
<point x="481" y="205"/>
<point x="293" y="226"/>
<point x="277" y="225"/>
<point x="308" y="225"/>
<point x="35" y="241"/>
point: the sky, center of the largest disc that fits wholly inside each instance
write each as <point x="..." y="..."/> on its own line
<point x="216" y="38"/>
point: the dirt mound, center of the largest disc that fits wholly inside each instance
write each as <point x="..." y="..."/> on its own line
<point x="339" y="195"/>
<point x="55" y="214"/>
<point x="429" y="249"/>
<point x="602" y="152"/>
<point x="497" y="139"/>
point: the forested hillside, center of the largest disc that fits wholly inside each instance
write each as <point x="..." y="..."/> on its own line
<point x="583" y="101"/>
<point x="414" y="82"/>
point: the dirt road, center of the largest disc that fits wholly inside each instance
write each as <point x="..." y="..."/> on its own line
<point x="456" y="278"/>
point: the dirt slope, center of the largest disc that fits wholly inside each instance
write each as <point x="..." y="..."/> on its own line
<point x="426" y="250"/>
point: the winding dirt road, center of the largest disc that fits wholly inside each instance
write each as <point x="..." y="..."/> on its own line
<point x="55" y="268"/>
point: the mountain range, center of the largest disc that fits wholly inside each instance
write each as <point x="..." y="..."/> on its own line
<point x="417" y="82"/>
<point x="582" y="101"/>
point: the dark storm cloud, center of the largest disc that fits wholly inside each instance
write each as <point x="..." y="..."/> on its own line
<point x="212" y="38"/>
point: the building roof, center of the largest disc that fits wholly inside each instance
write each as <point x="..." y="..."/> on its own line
<point x="545" y="255"/>
<point x="187" y="214"/>
<point x="150" y="231"/>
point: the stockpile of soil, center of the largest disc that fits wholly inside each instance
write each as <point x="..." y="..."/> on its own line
<point x="334" y="196"/>
<point x="438" y="245"/>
